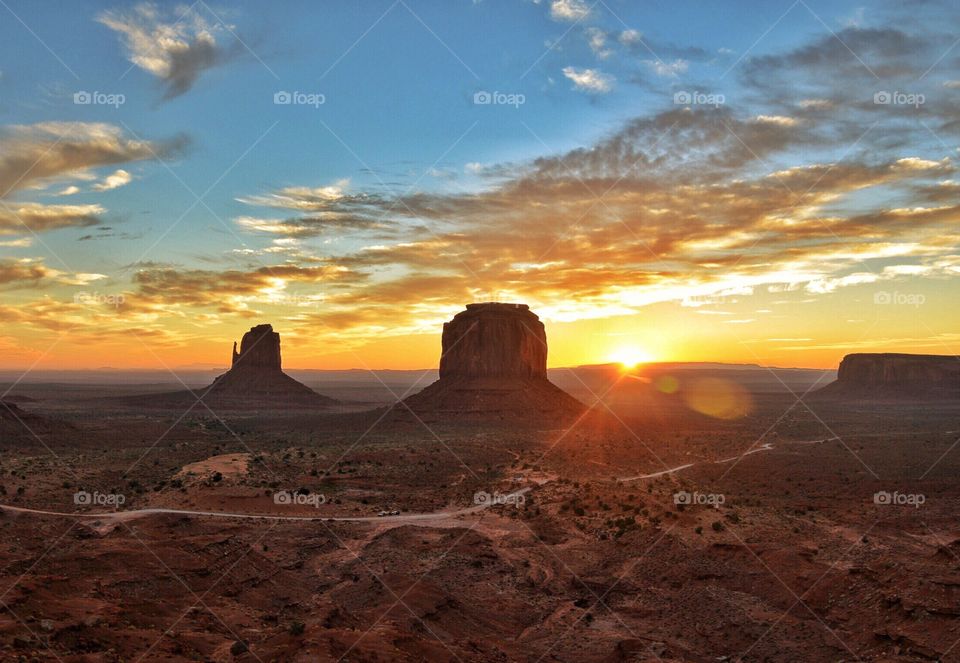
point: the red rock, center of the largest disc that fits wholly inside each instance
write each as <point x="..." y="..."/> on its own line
<point x="897" y="376"/>
<point x="493" y="367"/>
<point x="259" y="347"/>
<point x="256" y="377"/>
<point x="254" y="381"/>
<point x="494" y="341"/>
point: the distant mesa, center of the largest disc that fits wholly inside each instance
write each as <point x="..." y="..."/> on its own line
<point x="493" y="366"/>
<point x="897" y="376"/>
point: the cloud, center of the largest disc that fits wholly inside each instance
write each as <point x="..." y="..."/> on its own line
<point x="31" y="154"/>
<point x="231" y="291"/>
<point x="597" y="40"/>
<point x="687" y="205"/>
<point x="115" y="180"/>
<point x="307" y="226"/>
<point x="177" y="49"/>
<point x="589" y="80"/>
<point x="668" y="69"/>
<point x="644" y="45"/>
<point x="569" y="10"/>
<point x="323" y="208"/>
<point x="30" y="272"/>
<point x="21" y="272"/>
<point x="43" y="218"/>
<point x="303" y="199"/>
<point x="678" y="206"/>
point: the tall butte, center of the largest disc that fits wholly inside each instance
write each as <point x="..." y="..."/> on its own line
<point x="256" y="378"/>
<point x="493" y="366"/>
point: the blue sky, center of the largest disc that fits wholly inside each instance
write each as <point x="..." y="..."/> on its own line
<point x="400" y="154"/>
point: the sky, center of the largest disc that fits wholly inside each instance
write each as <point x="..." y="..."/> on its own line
<point x="763" y="182"/>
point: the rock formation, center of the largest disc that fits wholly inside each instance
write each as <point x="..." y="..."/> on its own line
<point x="256" y="378"/>
<point x="897" y="376"/>
<point x="493" y="366"/>
<point x="259" y="348"/>
<point x="255" y="381"/>
<point x="494" y="341"/>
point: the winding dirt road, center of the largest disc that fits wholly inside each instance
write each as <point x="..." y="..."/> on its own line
<point x="133" y="514"/>
<point x="767" y="446"/>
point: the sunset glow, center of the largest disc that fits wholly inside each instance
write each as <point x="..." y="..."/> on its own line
<point x="630" y="357"/>
<point x="767" y="202"/>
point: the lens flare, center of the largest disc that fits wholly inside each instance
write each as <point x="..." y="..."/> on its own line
<point x="721" y="399"/>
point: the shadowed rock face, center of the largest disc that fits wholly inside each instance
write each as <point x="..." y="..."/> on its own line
<point x="494" y="341"/>
<point x="493" y="367"/>
<point x="255" y="381"/>
<point x="259" y="347"/>
<point x="257" y="378"/>
<point x="898" y="375"/>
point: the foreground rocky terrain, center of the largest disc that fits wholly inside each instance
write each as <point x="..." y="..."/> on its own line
<point x="643" y="535"/>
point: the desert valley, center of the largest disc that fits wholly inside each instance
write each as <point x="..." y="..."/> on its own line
<point x="479" y="331"/>
<point x="488" y="516"/>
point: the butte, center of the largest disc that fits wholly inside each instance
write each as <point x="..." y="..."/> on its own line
<point x="255" y="381"/>
<point x="256" y="376"/>
<point x="493" y="366"/>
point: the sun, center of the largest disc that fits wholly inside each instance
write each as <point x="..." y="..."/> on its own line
<point x="630" y="357"/>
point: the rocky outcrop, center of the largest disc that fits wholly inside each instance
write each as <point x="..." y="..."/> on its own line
<point x="255" y="381"/>
<point x="493" y="366"/>
<point x="494" y="341"/>
<point x="259" y="348"/>
<point x="900" y="376"/>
